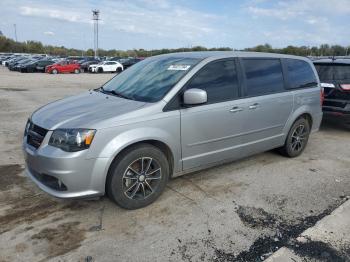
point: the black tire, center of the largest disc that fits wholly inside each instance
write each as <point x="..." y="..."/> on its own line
<point x="119" y="70"/>
<point x="76" y="71"/>
<point x="100" y="70"/>
<point x="297" y="138"/>
<point x="55" y="71"/>
<point x="131" y="186"/>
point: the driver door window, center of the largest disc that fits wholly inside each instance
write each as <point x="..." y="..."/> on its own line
<point x="218" y="79"/>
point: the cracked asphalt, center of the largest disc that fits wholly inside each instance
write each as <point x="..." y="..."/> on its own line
<point x="227" y="213"/>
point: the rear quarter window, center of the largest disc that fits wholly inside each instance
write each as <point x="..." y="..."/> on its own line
<point x="300" y="74"/>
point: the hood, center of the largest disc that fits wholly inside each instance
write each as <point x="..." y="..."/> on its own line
<point x="83" y="111"/>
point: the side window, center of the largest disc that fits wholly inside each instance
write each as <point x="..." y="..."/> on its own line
<point x="263" y="76"/>
<point x="219" y="79"/>
<point x="300" y="74"/>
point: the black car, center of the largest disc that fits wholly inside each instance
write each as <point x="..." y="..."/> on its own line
<point x="334" y="75"/>
<point x="36" y="66"/>
<point x="14" y="66"/>
<point x="127" y="62"/>
<point x="40" y="65"/>
<point x="85" y="66"/>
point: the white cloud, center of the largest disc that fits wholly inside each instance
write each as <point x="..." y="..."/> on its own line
<point x="49" y="33"/>
<point x="285" y="10"/>
<point x="159" y="18"/>
<point x="64" y="15"/>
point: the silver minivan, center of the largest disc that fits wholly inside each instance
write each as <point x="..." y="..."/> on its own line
<point x="170" y="115"/>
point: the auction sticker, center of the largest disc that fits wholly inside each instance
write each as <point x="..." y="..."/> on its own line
<point x="179" y="67"/>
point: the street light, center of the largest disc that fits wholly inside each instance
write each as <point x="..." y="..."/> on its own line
<point x="95" y="18"/>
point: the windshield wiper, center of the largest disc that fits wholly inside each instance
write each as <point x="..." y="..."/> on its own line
<point x="119" y="94"/>
<point x="113" y="92"/>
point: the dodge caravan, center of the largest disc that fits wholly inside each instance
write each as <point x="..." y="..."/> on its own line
<point x="169" y="115"/>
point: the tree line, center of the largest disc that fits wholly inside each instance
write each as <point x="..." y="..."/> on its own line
<point x="9" y="45"/>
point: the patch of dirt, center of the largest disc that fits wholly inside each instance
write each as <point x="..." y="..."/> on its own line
<point x="25" y="205"/>
<point x="32" y="208"/>
<point x="319" y="251"/>
<point x="255" y="217"/>
<point x="62" y="239"/>
<point x="14" y="89"/>
<point x="285" y="234"/>
<point x="9" y="176"/>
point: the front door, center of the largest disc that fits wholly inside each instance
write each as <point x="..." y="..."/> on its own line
<point x="211" y="132"/>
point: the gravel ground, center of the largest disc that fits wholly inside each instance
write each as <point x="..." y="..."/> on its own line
<point x="240" y="211"/>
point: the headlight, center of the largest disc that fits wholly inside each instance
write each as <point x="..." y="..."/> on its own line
<point x="72" y="140"/>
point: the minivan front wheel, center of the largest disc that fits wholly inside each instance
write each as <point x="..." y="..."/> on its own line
<point x="297" y="138"/>
<point x="138" y="176"/>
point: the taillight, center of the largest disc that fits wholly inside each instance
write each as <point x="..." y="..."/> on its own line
<point x="345" y="87"/>
<point x="322" y="95"/>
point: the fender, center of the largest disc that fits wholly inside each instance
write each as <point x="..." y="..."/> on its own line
<point x="132" y="136"/>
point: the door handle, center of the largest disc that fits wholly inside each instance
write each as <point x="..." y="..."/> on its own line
<point x="254" y="106"/>
<point x="236" y="109"/>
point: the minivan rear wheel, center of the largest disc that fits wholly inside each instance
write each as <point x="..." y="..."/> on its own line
<point x="297" y="138"/>
<point x="138" y="176"/>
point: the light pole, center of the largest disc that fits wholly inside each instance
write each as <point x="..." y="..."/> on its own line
<point x="95" y="18"/>
<point x="14" y="25"/>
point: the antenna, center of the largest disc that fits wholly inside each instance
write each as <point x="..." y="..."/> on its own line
<point x="95" y="18"/>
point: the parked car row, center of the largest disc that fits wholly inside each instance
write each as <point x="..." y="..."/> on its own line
<point x="26" y="63"/>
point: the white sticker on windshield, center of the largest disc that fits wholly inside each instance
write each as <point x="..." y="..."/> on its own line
<point x="179" y="67"/>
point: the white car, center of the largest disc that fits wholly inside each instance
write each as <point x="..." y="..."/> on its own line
<point x="106" y="66"/>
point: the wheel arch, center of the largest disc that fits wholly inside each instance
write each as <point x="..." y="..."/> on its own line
<point x="299" y="113"/>
<point x="154" y="142"/>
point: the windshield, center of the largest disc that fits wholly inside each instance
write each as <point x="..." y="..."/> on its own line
<point x="150" y="79"/>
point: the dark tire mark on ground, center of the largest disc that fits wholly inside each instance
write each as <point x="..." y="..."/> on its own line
<point x="13" y="89"/>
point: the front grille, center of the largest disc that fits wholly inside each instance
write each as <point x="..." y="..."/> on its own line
<point x="35" y="135"/>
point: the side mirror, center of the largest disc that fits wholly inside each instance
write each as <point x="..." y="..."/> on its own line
<point x="195" y="96"/>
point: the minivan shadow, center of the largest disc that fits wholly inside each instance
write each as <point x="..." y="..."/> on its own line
<point x="333" y="125"/>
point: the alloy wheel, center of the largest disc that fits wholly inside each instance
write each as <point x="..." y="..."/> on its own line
<point x="299" y="137"/>
<point x="141" y="178"/>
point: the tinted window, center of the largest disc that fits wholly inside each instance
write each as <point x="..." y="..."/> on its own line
<point x="333" y="72"/>
<point x="300" y="74"/>
<point x="263" y="76"/>
<point x="219" y="79"/>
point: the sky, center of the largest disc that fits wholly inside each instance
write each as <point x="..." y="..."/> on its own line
<point x="153" y="24"/>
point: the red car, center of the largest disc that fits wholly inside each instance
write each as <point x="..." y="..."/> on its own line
<point x="63" y="67"/>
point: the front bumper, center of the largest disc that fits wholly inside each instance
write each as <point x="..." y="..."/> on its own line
<point x="65" y="175"/>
